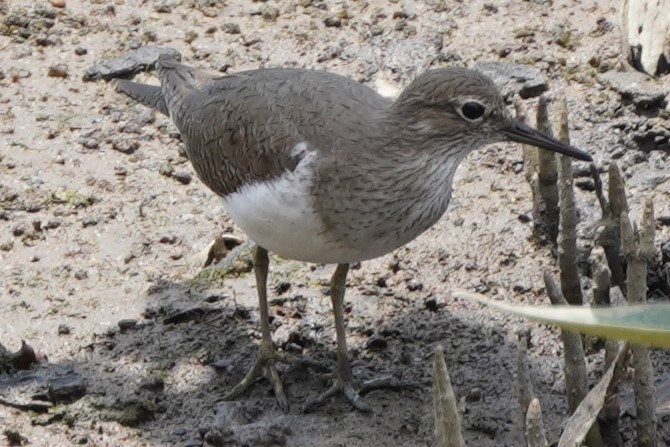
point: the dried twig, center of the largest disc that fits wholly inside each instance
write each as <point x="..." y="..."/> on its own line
<point x="576" y="379"/>
<point x="548" y="177"/>
<point x="609" y="415"/>
<point x="531" y="167"/>
<point x="601" y="291"/>
<point x="638" y="249"/>
<point x="615" y="351"/>
<point x="535" y="436"/>
<point x="567" y="235"/>
<point x="447" y="421"/>
<point x="526" y="393"/>
<point x="530" y="160"/>
<point x="575" y="366"/>
<point x="37" y="407"/>
<point x="580" y="425"/>
<point x="609" y="228"/>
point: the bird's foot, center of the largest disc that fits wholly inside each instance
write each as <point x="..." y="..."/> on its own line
<point x="346" y="387"/>
<point x="264" y="366"/>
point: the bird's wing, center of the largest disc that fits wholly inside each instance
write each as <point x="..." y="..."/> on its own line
<point x="256" y="125"/>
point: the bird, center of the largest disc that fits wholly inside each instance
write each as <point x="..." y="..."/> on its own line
<point x="316" y="167"/>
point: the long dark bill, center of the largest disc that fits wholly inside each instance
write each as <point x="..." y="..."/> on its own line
<point x="521" y="133"/>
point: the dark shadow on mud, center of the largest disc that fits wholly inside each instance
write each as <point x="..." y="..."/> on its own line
<point x="190" y="346"/>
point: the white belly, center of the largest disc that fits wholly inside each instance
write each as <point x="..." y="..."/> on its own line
<point x="278" y="215"/>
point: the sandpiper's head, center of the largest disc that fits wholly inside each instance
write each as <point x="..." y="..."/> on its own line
<point x="464" y="106"/>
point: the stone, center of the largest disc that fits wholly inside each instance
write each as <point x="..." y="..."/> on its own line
<point x="525" y="80"/>
<point x="635" y="87"/>
<point x="66" y="389"/>
<point x="128" y="65"/>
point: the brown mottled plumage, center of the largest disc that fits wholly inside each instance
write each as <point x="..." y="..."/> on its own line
<point x="317" y="167"/>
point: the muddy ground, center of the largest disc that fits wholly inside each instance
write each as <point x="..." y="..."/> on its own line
<point x="103" y="220"/>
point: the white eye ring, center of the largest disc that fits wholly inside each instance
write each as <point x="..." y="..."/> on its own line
<point x="472" y="111"/>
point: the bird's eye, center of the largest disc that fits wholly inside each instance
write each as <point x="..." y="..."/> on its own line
<point x="472" y="110"/>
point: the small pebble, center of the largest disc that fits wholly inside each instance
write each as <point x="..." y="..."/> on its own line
<point x="126" y="324"/>
<point x="182" y="177"/>
<point x="294" y="348"/>
<point x="54" y="223"/>
<point x="125" y="146"/>
<point x="585" y="184"/>
<point x="64" y="329"/>
<point x="282" y="287"/>
<point x="57" y="3"/>
<point x="14" y="437"/>
<point x="270" y="13"/>
<point x="376" y="344"/>
<point x="44" y="41"/>
<point x="66" y="389"/>
<point x="333" y="22"/>
<point x="153" y="383"/>
<point x="168" y="239"/>
<point x="163" y="7"/>
<point x="89" y="222"/>
<point x="431" y="304"/>
<point x="90" y="143"/>
<point x="58" y="71"/>
<point x="190" y="36"/>
<point x="213" y="298"/>
<point x="143" y="116"/>
<point x="376" y="30"/>
<point x="166" y="169"/>
<point x="231" y="28"/>
<point x="474" y="395"/>
<point x="414" y="286"/>
<point x="210" y="12"/>
<point x="221" y="364"/>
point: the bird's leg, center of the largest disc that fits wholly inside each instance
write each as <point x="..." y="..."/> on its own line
<point x="343" y="380"/>
<point x="267" y="356"/>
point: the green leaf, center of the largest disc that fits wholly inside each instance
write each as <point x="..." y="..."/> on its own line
<point x="645" y="324"/>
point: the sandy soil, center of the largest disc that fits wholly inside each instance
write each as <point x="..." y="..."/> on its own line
<point x="92" y="232"/>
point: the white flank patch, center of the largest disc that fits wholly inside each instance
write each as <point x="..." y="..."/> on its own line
<point x="278" y="214"/>
<point x="386" y="88"/>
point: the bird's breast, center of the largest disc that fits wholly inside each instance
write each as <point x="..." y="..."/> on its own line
<point x="341" y="217"/>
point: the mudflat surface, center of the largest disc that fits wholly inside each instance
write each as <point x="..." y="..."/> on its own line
<point x="93" y="231"/>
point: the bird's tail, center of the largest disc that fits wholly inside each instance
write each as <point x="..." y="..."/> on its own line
<point x="148" y="95"/>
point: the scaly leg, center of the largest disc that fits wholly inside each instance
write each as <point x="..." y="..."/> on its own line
<point x="343" y="382"/>
<point x="267" y="356"/>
